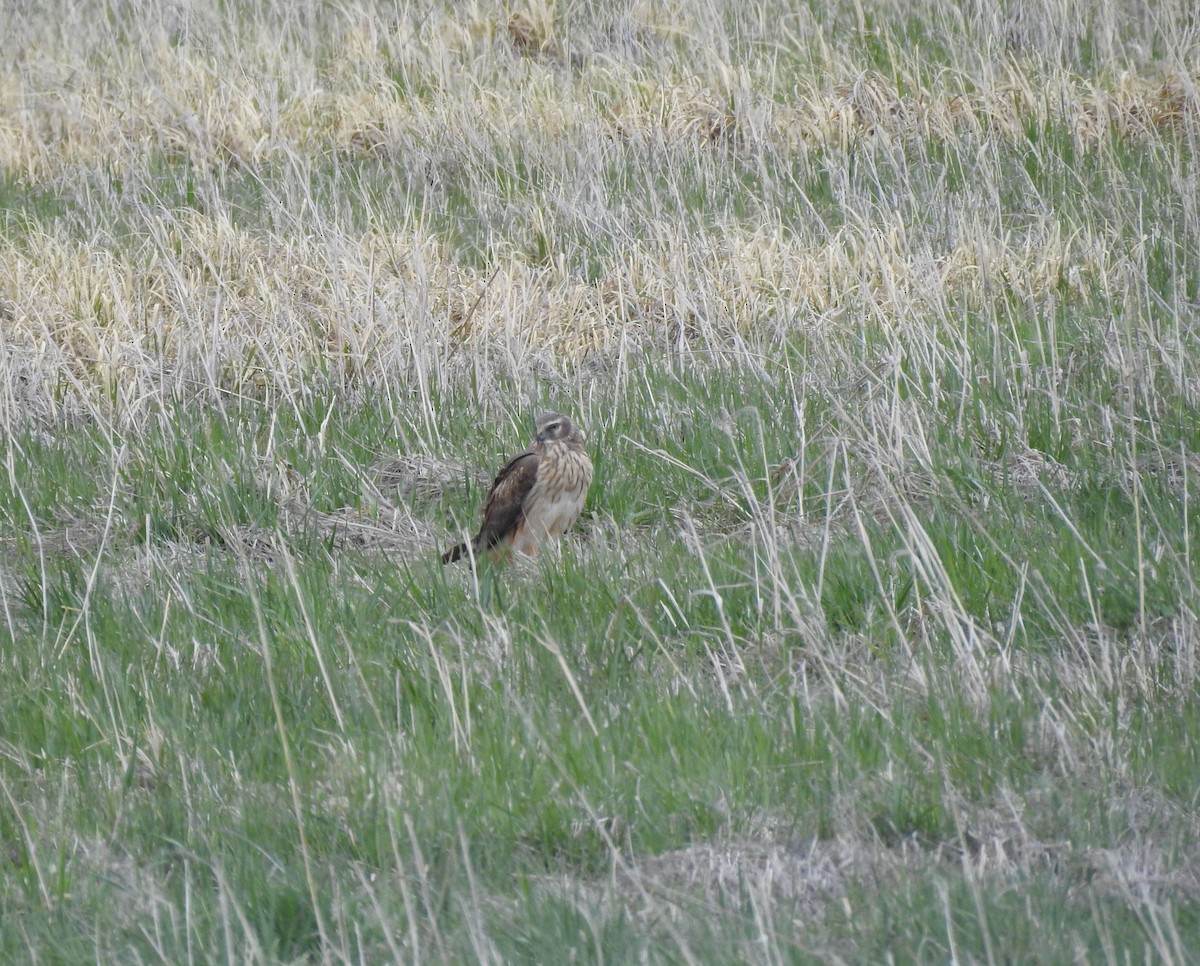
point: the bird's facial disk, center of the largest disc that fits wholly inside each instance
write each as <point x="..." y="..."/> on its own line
<point x="559" y="427"/>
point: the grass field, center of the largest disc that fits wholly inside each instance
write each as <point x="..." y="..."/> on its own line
<point x="879" y="638"/>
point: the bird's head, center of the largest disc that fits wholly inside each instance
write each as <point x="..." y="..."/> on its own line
<point x="555" y="427"/>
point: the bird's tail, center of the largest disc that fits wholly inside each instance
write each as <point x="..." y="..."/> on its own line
<point x="455" y="553"/>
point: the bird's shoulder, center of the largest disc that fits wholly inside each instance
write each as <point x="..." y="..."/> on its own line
<point x="515" y="479"/>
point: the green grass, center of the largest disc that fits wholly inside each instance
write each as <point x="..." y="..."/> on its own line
<point x="643" y="694"/>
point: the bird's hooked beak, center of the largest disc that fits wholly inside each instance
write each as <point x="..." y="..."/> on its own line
<point x="540" y="438"/>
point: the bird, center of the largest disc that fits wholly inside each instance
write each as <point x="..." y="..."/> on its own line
<point x="537" y="495"/>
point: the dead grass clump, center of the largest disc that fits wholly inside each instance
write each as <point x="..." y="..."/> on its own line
<point x="1140" y="107"/>
<point x="675" y="113"/>
<point x="531" y="31"/>
<point x="420" y="478"/>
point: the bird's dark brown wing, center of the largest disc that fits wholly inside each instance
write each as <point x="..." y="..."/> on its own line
<point x="505" y="505"/>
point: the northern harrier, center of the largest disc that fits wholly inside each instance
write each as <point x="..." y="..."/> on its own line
<point x="537" y="495"/>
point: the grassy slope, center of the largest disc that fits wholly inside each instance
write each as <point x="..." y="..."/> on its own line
<point x="879" y="633"/>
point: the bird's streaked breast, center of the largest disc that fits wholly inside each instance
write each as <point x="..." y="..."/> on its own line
<point x="557" y="498"/>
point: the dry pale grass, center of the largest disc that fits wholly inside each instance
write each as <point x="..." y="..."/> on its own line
<point x="240" y="92"/>
<point x="209" y="305"/>
<point x="195" y="300"/>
